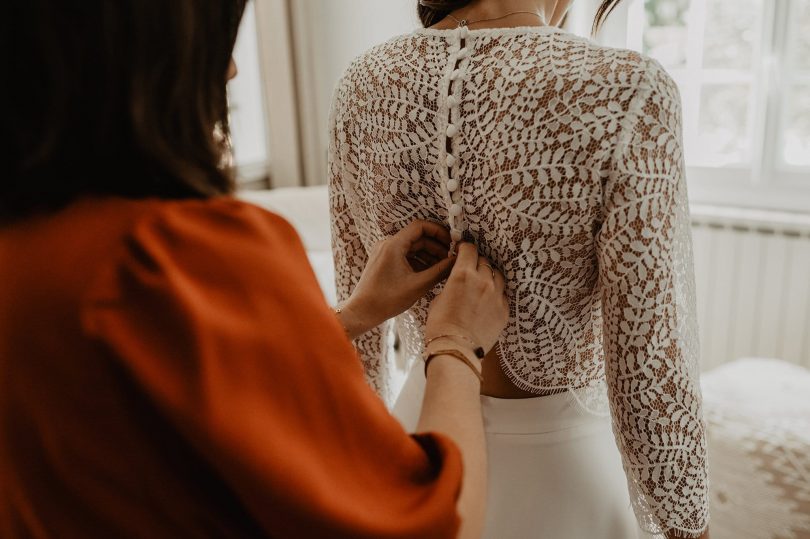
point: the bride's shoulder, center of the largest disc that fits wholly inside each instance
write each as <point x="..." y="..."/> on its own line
<point x="377" y="69"/>
<point x="396" y="49"/>
<point x="644" y="75"/>
<point x="612" y="65"/>
<point x="374" y="66"/>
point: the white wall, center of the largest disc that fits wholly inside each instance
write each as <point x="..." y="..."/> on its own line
<point x="329" y="34"/>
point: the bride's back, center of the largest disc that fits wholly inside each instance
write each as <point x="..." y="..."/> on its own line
<point x="511" y="137"/>
<point x="562" y="161"/>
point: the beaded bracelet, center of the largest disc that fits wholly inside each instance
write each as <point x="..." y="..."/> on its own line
<point x="456" y="354"/>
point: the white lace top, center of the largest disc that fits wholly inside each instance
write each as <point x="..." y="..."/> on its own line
<point x="562" y="160"/>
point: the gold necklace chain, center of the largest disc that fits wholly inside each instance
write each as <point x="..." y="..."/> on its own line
<point x="465" y="22"/>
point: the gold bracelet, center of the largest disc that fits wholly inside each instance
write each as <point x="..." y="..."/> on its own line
<point x="477" y="350"/>
<point x="456" y="354"/>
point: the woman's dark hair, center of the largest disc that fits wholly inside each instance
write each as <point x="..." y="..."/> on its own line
<point x="432" y="11"/>
<point x="122" y="97"/>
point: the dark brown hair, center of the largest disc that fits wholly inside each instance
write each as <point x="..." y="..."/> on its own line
<point x="432" y="11"/>
<point x="123" y="97"/>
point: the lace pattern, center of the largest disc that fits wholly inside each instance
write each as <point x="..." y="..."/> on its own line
<point x="562" y="161"/>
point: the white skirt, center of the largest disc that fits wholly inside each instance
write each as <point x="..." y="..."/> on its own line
<point x="554" y="470"/>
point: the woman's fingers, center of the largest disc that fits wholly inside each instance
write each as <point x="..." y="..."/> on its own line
<point x="425" y="253"/>
<point x="500" y="282"/>
<point x="431" y="246"/>
<point x="421" y="261"/>
<point x="420" y="229"/>
<point x="436" y="273"/>
<point x="437" y="232"/>
<point x="426" y="247"/>
<point x="472" y="301"/>
<point x="488" y="270"/>
<point x="467" y="257"/>
<point x="425" y="243"/>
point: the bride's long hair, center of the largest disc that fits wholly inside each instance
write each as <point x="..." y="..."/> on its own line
<point x="432" y="11"/>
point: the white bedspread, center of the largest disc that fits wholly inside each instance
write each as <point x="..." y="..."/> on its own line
<point x="758" y="415"/>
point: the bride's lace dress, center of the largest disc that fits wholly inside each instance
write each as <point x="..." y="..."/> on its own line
<point x="562" y="160"/>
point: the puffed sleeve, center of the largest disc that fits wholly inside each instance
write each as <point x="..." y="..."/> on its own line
<point x="650" y="329"/>
<point x="349" y="252"/>
<point x="213" y="310"/>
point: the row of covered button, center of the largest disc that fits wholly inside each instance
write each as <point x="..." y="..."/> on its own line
<point x="457" y="53"/>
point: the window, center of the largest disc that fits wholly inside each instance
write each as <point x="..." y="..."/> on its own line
<point x="743" y="68"/>
<point x="796" y="115"/>
<point x="246" y="99"/>
<point x="290" y="56"/>
<point x="262" y="99"/>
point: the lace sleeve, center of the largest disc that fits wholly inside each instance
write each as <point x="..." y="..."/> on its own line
<point x="648" y="302"/>
<point x="349" y="253"/>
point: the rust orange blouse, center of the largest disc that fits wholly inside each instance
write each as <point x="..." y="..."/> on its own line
<point x="171" y="369"/>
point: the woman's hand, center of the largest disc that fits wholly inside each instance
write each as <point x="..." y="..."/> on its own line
<point x="472" y="304"/>
<point x="400" y="271"/>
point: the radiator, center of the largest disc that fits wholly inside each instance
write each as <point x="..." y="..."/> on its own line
<point x="752" y="272"/>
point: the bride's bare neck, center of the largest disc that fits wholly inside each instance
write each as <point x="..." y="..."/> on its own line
<point x="551" y="11"/>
